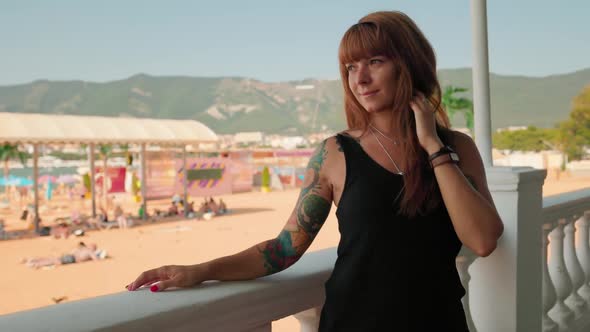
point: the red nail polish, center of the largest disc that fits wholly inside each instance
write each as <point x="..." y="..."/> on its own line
<point x="154" y="288"/>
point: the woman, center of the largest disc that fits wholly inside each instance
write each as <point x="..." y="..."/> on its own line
<point x="405" y="202"/>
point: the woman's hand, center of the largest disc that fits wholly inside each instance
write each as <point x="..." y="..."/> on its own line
<point x="169" y="276"/>
<point x="426" y="124"/>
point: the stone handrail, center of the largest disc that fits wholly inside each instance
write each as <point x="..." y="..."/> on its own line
<point x="214" y="306"/>
<point x="566" y="205"/>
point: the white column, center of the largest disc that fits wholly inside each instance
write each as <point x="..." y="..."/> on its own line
<point x="506" y="287"/>
<point x="309" y="319"/>
<point x="549" y="296"/>
<point x="481" y="81"/>
<point x="574" y="301"/>
<point x="583" y="250"/>
<point x="92" y="178"/>
<point x="560" y="313"/>
<point x="36" y="185"/>
<point x="143" y="181"/>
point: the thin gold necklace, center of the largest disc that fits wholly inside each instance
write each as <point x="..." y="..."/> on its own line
<point x="399" y="172"/>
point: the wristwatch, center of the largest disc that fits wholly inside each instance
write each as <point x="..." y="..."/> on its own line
<point x="437" y="157"/>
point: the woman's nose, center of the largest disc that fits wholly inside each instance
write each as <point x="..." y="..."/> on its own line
<point x="363" y="75"/>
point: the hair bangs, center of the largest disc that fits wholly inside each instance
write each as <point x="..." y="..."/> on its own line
<point x="361" y="41"/>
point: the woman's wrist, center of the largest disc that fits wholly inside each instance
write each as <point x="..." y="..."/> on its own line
<point x="433" y="146"/>
<point x="202" y="272"/>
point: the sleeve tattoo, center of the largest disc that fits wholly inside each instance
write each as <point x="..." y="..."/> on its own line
<point x="311" y="212"/>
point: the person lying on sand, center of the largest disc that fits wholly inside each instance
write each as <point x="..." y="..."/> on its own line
<point x="81" y="253"/>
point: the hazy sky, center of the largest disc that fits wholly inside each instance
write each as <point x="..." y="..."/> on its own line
<point x="270" y="40"/>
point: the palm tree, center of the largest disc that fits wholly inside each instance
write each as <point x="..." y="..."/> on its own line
<point x="454" y="104"/>
<point x="10" y="152"/>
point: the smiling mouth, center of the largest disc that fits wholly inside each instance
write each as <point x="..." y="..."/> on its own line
<point x="370" y="93"/>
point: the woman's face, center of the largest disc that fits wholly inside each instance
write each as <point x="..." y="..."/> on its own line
<point x="371" y="81"/>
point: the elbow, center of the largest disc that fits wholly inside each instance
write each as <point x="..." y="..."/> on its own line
<point x="486" y="249"/>
<point x="488" y="245"/>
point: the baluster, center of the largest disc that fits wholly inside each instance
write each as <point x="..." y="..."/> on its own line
<point x="549" y="296"/>
<point x="583" y="250"/>
<point x="574" y="301"/>
<point x="463" y="262"/>
<point x="309" y="319"/>
<point x="560" y="313"/>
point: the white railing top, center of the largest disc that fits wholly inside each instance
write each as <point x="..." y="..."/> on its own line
<point x="214" y="306"/>
<point x="567" y="205"/>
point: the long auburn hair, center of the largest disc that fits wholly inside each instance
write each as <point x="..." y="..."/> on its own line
<point x="395" y="35"/>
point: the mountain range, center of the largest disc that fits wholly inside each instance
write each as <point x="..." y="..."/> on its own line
<point x="234" y="104"/>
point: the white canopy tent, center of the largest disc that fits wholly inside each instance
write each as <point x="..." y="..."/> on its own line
<point x="36" y="129"/>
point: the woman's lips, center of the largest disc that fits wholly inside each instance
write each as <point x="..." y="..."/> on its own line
<point x="370" y="93"/>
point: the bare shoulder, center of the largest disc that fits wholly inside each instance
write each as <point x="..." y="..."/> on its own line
<point x="464" y="145"/>
<point x="333" y="163"/>
<point x="353" y="133"/>
<point x="470" y="161"/>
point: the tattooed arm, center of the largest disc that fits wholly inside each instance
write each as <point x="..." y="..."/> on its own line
<point x="268" y="257"/>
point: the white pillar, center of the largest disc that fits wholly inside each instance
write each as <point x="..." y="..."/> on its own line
<point x="481" y="81"/>
<point x="92" y="178"/>
<point x="184" y="181"/>
<point x="36" y="185"/>
<point x="143" y="181"/>
<point x="506" y="287"/>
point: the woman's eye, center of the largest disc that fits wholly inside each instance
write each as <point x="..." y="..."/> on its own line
<point x="349" y="67"/>
<point x="374" y="61"/>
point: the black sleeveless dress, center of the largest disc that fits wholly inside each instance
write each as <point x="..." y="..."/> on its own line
<point x="392" y="273"/>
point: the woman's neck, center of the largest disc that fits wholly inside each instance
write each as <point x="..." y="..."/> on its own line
<point x="383" y="123"/>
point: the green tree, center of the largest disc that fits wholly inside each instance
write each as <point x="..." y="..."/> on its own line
<point x="530" y="139"/>
<point x="10" y="152"/>
<point x="575" y="131"/>
<point x="453" y="104"/>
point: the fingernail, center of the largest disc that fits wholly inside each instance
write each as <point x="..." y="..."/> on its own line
<point x="154" y="288"/>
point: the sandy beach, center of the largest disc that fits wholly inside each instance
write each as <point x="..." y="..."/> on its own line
<point x="255" y="217"/>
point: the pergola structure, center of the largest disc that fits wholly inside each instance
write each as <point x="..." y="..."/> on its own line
<point x="37" y="129"/>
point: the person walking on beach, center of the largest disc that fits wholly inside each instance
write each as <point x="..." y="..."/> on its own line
<point x="409" y="193"/>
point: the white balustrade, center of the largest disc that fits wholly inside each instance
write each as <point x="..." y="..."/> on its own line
<point x="309" y="319"/>
<point x="463" y="262"/>
<point x="549" y="296"/>
<point x="560" y="313"/>
<point x="574" y="300"/>
<point x="583" y="251"/>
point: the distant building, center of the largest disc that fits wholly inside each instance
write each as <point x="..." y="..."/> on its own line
<point x="248" y="138"/>
<point x="511" y="128"/>
<point x="288" y="142"/>
<point x="539" y="160"/>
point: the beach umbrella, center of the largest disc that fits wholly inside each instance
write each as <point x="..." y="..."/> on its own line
<point x="46" y="178"/>
<point x="67" y="179"/>
<point x="15" y="181"/>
